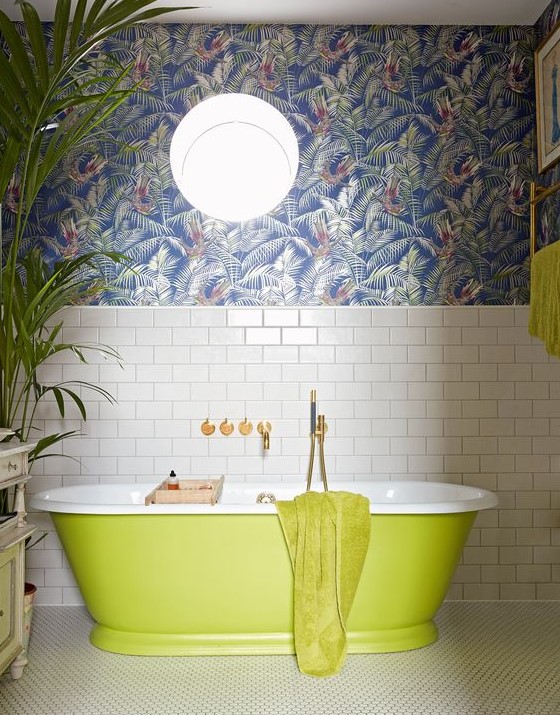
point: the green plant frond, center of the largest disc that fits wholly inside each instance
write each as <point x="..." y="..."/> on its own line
<point x="44" y="443"/>
<point x="46" y="293"/>
<point x="57" y="392"/>
<point x="14" y="113"/>
<point x="106" y="351"/>
<point x="36" y="90"/>
<point x="62" y="389"/>
<point x="20" y="65"/>
<point x="55" y="332"/>
<point x="73" y="129"/>
<point x="36" y="37"/>
<point x="61" y="28"/>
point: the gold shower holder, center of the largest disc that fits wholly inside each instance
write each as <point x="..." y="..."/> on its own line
<point x="319" y="429"/>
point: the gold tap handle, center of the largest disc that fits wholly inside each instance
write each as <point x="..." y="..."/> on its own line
<point x="245" y="427"/>
<point x="207" y="428"/>
<point x="226" y="427"/>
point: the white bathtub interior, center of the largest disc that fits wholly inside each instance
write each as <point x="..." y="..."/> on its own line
<point x="241" y="497"/>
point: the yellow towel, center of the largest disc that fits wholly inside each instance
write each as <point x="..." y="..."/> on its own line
<point x="327" y="536"/>
<point x="544" y="314"/>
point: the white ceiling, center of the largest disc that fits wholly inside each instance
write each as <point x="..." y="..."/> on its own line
<point x="342" y="12"/>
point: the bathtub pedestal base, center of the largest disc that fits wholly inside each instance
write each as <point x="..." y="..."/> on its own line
<point x="393" y="640"/>
<point x="173" y="644"/>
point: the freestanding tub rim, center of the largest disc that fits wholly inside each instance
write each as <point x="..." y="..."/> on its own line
<point x="386" y="497"/>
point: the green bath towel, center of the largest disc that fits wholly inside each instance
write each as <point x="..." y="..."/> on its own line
<point x="544" y="315"/>
<point x="327" y="536"/>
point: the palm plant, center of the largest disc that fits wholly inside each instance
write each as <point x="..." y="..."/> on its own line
<point x="55" y="96"/>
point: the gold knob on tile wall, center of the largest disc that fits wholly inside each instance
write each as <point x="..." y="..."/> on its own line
<point x="207" y="428"/>
<point x="245" y="427"/>
<point x="226" y="427"/>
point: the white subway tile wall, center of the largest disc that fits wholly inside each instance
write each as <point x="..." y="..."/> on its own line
<point x="459" y="394"/>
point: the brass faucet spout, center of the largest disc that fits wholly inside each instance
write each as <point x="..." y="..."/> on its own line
<point x="264" y="429"/>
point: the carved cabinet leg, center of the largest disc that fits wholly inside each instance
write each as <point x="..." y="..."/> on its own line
<point x="16" y="668"/>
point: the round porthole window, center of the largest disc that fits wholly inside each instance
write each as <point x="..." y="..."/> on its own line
<point x="234" y="157"/>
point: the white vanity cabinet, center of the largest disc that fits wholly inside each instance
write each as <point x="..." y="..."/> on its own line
<point x="13" y="534"/>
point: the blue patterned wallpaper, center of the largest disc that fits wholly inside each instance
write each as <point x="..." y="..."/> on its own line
<point x="416" y="151"/>
<point x="548" y="20"/>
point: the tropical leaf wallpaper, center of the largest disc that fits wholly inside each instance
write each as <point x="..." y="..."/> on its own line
<point x="416" y="153"/>
<point x="548" y="20"/>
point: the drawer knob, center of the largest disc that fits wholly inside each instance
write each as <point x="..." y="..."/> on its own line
<point x="12" y="466"/>
<point x="1" y="613"/>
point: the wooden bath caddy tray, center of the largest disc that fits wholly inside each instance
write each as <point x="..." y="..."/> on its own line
<point x="191" y="491"/>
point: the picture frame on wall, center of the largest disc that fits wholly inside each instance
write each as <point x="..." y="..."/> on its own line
<point x="547" y="87"/>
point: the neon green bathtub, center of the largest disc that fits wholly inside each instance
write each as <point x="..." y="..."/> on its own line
<point x="202" y="580"/>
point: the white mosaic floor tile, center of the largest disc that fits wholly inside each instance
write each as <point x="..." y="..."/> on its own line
<point x="491" y="659"/>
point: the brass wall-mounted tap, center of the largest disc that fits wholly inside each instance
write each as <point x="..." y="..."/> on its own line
<point x="264" y="429"/>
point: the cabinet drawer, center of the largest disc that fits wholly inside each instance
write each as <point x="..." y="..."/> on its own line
<point x="11" y="466"/>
